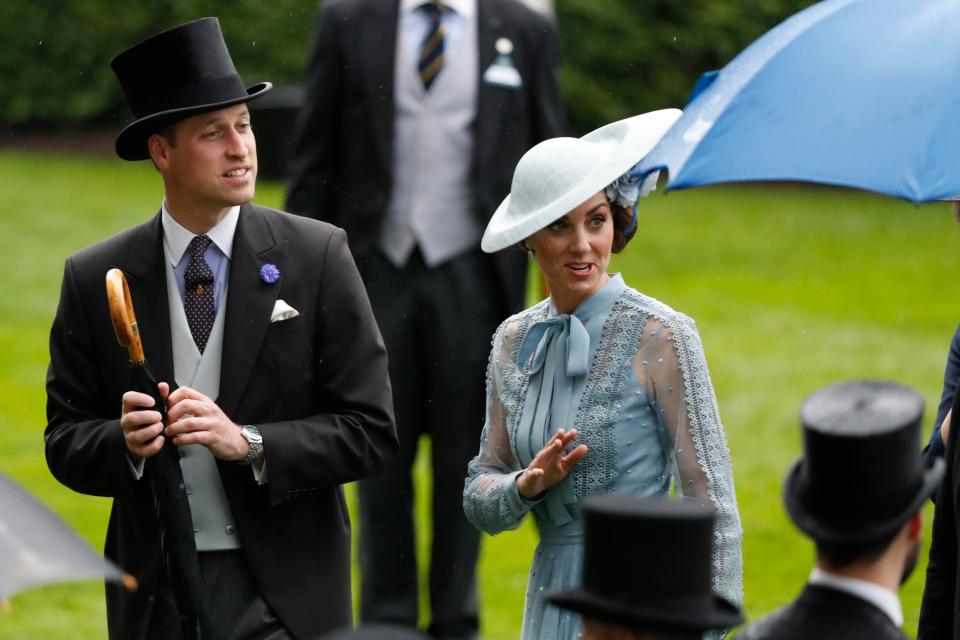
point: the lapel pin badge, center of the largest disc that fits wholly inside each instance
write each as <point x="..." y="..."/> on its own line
<point x="502" y="73"/>
<point x="269" y="273"/>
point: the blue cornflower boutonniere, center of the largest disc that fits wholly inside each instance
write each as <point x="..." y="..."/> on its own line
<point x="269" y="273"/>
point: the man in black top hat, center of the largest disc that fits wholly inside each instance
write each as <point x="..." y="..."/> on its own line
<point x="646" y="572"/>
<point x="261" y="320"/>
<point x="857" y="491"/>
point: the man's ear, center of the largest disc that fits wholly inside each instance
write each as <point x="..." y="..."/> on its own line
<point x="915" y="525"/>
<point x="159" y="150"/>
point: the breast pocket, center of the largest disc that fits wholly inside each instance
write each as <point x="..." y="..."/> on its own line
<point x="288" y="348"/>
<point x="289" y="325"/>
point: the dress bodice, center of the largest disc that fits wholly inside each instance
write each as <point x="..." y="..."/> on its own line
<point x="629" y="373"/>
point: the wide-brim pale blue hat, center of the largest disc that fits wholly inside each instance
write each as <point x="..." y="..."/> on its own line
<point x="558" y="175"/>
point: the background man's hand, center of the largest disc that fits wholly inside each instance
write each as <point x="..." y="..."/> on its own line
<point x="196" y="419"/>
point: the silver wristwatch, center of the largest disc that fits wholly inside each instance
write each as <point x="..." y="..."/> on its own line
<point x="253" y="437"/>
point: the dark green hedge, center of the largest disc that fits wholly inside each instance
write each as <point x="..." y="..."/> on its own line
<point x="623" y="57"/>
<point x="620" y="56"/>
<point x="56" y="53"/>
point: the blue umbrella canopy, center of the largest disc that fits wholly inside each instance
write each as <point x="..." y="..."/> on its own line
<point x="37" y="547"/>
<point x="855" y="93"/>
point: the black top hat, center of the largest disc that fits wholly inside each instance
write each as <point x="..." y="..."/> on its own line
<point x="646" y="564"/>
<point x="175" y="74"/>
<point x="862" y="475"/>
<point x="377" y="632"/>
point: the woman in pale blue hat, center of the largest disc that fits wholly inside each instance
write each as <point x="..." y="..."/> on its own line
<point x="599" y="388"/>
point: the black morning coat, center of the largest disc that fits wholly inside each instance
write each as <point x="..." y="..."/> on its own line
<point x="316" y="386"/>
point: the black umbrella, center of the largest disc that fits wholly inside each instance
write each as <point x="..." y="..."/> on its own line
<point x="37" y="547"/>
<point x="162" y="472"/>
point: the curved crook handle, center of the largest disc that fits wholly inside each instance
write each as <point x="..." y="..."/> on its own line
<point x="121" y="312"/>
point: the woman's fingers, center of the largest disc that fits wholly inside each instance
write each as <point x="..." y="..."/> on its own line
<point x="575" y="456"/>
<point x="528" y="482"/>
<point x="548" y="453"/>
<point x="551" y="464"/>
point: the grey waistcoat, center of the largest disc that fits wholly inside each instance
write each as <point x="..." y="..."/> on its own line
<point x="213" y="523"/>
<point x="430" y="205"/>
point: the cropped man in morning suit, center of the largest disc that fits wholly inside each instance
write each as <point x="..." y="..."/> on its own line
<point x="416" y="114"/>
<point x="857" y="491"/>
<point x="941" y="593"/>
<point x="261" y="319"/>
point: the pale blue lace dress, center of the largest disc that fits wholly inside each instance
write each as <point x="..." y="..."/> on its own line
<point x="629" y="373"/>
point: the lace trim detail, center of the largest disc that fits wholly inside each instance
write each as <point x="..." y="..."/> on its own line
<point x="601" y="403"/>
<point x="706" y="433"/>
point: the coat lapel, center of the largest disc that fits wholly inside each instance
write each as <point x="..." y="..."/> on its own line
<point x="250" y="302"/>
<point x="377" y="42"/>
<point x="146" y="274"/>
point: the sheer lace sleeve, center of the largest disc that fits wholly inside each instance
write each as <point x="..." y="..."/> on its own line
<point x="491" y="500"/>
<point x="670" y="364"/>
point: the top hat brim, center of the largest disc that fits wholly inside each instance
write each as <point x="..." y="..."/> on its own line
<point x="132" y="142"/>
<point x="865" y="531"/>
<point x="718" y="614"/>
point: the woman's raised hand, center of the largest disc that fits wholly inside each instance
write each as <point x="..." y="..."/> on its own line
<point x="550" y="465"/>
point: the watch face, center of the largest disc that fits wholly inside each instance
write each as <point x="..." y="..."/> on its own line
<point x="252" y="435"/>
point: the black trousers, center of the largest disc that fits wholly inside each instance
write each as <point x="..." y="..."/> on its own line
<point x="437" y="324"/>
<point x="237" y="610"/>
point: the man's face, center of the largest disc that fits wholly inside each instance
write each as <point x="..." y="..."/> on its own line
<point x="212" y="164"/>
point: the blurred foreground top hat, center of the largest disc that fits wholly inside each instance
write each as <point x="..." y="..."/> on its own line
<point x="377" y="632"/>
<point x="861" y="476"/>
<point x="647" y="564"/>
<point x="173" y="75"/>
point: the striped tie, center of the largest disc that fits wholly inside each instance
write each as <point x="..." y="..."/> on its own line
<point x="431" y="51"/>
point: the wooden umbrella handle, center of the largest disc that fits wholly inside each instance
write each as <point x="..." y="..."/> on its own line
<point x="122" y="315"/>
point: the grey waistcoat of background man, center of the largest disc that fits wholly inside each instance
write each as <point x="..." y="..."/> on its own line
<point x="430" y="205"/>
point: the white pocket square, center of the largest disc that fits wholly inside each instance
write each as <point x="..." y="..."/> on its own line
<point x="283" y="311"/>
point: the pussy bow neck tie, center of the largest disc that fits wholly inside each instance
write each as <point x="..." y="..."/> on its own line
<point x="553" y="353"/>
<point x="571" y="340"/>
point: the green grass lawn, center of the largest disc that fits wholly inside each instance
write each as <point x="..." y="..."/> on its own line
<point x="791" y="287"/>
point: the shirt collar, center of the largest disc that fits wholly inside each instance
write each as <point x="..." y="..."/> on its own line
<point x="880" y="597"/>
<point x="177" y="237"/>
<point x="464" y="8"/>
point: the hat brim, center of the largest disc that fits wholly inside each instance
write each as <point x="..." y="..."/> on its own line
<point x="642" y="133"/>
<point x="132" y="142"/>
<point x="719" y="613"/>
<point x="864" y="531"/>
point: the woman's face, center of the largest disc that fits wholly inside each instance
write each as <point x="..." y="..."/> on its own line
<point x="574" y="252"/>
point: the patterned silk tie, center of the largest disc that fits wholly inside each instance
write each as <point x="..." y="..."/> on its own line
<point x="431" y="51"/>
<point x="198" y="297"/>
